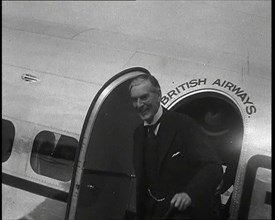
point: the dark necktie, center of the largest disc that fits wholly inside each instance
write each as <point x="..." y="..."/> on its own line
<point x="151" y="130"/>
<point x="151" y="155"/>
<point x="152" y="142"/>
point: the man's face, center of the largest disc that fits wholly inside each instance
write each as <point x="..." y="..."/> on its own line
<point x="145" y="100"/>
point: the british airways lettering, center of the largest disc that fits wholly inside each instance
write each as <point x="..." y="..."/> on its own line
<point x="250" y="108"/>
<point x="236" y="90"/>
<point x="179" y="89"/>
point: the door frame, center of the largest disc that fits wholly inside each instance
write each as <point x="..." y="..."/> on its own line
<point x="87" y="129"/>
<point x="234" y="205"/>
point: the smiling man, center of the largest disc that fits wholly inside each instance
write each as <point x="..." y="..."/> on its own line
<point x="174" y="167"/>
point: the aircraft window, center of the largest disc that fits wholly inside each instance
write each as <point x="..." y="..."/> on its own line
<point x="54" y="158"/>
<point x="8" y="133"/>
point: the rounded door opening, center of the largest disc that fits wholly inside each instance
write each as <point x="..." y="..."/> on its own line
<point x="222" y="127"/>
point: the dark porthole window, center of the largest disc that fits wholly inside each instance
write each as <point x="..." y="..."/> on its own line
<point x="53" y="155"/>
<point x="8" y="133"/>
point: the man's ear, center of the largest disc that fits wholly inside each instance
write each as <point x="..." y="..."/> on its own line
<point x="160" y="95"/>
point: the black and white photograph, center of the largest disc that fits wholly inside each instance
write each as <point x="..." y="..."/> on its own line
<point x="136" y="110"/>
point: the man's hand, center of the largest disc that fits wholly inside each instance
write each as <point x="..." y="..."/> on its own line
<point x="181" y="201"/>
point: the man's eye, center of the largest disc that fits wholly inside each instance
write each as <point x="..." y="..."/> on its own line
<point x="143" y="97"/>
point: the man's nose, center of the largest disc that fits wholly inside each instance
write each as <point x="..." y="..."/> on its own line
<point x="139" y="103"/>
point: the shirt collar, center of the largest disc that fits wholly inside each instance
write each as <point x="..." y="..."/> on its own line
<point x="156" y="117"/>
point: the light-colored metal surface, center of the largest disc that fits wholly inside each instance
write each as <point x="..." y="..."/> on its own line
<point x="210" y="32"/>
<point x="29" y="205"/>
<point x="259" y="209"/>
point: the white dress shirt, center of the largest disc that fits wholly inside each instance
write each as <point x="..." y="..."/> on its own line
<point x="155" y="119"/>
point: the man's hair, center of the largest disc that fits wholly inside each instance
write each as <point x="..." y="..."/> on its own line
<point x="146" y="77"/>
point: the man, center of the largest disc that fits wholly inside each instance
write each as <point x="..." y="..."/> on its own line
<point x="175" y="169"/>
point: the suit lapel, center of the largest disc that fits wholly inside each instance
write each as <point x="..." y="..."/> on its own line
<point x="166" y="135"/>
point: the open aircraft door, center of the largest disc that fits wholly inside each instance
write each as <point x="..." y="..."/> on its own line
<point x="103" y="184"/>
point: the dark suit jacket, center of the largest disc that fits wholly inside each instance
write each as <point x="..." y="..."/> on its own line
<point x="195" y="170"/>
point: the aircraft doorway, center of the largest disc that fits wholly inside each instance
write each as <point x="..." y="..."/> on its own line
<point x="104" y="183"/>
<point x="222" y="127"/>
